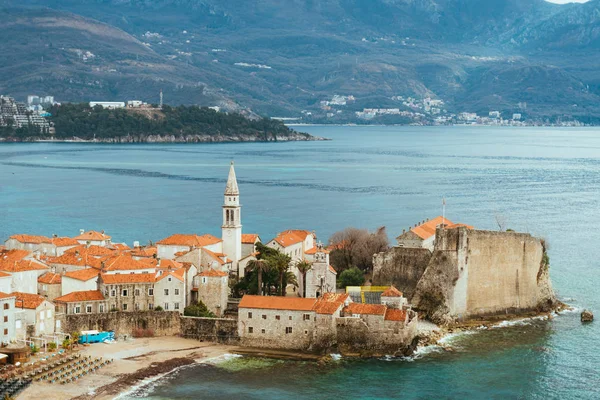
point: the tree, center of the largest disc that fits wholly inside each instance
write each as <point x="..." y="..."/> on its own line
<point x="351" y="277"/>
<point x="281" y="263"/>
<point x="304" y="266"/>
<point x="198" y="310"/>
<point x="158" y="308"/>
<point x="354" y="247"/>
<point x="259" y="266"/>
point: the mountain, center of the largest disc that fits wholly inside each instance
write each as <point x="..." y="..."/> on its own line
<point x="280" y="57"/>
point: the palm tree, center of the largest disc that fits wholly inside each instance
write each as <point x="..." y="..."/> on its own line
<point x="281" y="263"/>
<point x="304" y="266"/>
<point x="259" y="266"/>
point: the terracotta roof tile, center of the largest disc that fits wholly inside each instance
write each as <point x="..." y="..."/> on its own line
<point x="92" y="235"/>
<point x="111" y="279"/>
<point x="291" y="237"/>
<point x="331" y="269"/>
<point x="83" y="274"/>
<point x="371" y="309"/>
<point x="330" y="303"/>
<point x="179" y="239"/>
<point x="277" y="303"/>
<point x="4" y="274"/>
<point x="27" y="300"/>
<point x="249" y="238"/>
<point x="214" y="256"/>
<point x="5" y="295"/>
<point x="315" y="249"/>
<point x="391" y="292"/>
<point x="392" y="314"/>
<point x="121" y="246"/>
<point x="50" y="278"/>
<point x="144" y="251"/>
<point x="124" y="262"/>
<point x="92" y="250"/>
<point x="36" y="239"/>
<point x="213" y="273"/>
<point x="176" y="274"/>
<point x="85" y="295"/>
<point x="22" y="265"/>
<point x="77" y="259"/>
<point x="64" y="242"/>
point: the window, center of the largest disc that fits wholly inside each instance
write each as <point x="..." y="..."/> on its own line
<point x="306" y="317"/>
<point x="124" y="306"/>
<point x="249" y="315"/>
<point x="137" y="292"/>
<point x="6" y="332"/>
<point x="204" y="280"/>
<point x="106" y="292"/>
<point x="250" y="329"/>
<point x="45" y="287"/>
<point x="166" y="306"/>
<point x="176" y="306"/>
<point x="113" y="293"/>
<point x="166" y="292"/>
<point x="176" y="292"/>
<point x="77" y="309"/>
<point x="151" y="292"/>
<point x="278" y="317"/>
<point x="136" y="306"/>
<point x="169" y="279"/>
<point x="48" y="313"/>
<point x="5" y="318"/>
<point x="262" y="331"/>
<point x="41" y="315"/>
<point x="306" y="332"/>
<point x="18" y="324"/>
<point x="264" y="316"/>
<point x="290" y="317"/>
<point x="6" y="306"/>
<point x="288" y="330"/>
<point x="58" y="324"/>
<point x="150" y="306"/>
<point x="124" y="293"/>
<point x="101" y="307"/>
<point x="88" y="309"/>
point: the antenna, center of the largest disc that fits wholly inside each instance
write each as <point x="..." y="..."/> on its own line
<point x="161" y="99"/>
<point x="443" y="212"/>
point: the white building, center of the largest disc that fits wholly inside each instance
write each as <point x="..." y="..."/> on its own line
<point x="231" y="230"/>
<point x="33" y="311"/>
<point x="23" y="269"/>
<point x="7" y="318"/>
<point x="170" y="290"/>
<point x="322" y="277"/>
<point x="79" y="281"/>
<point x="93" y="238"/>
<point x="108" y="104"/>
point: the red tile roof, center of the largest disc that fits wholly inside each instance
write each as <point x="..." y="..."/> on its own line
<point x="391" y="292"/>
<point x="92" y="250"/>
<point x="179" y="239"/>
<point x="169" y="264"/>
<point x="36" y="239"/>
<point x="330" y="303"/>
<point x="291" y="237"/>
<point x="64" y="242"/>
<point x="277" y="303"/>
<point x="427" y="229"/>
<point x="4" y="274"/>
<point x="27" y="300"/>
<point x="331" y="269"/>
<point x="213" y="273"/>
<point x="92" y="235"/>
<point x="78" y="260"/>
<point x="214" y="256"/>
<point x="144" y="251"/>
<point x="392" y="314"/>
<point x="121" y="246"/>
<point x="5" y="295"/>
<point x="20" y="266"/>
<point x="371" y="309"/>
<point x="83" y="274"/>
<point x="50" y="278"/>
<point x="176" y="274"/>
<point x="249" y="238"/>
<point x="124" y="262"/>
<point x="85" y="295"/>
<point x="314" y="250"/>
<point x="111" y="279"/>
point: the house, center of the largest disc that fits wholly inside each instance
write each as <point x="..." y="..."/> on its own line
<point x="249" y="241"/>
<point x="24" y="270"/>
<point x="80" y="281"/>
<point x="49" y="285"/>
<point x="322" y="277"/>
<point x="34" y="315"/>
<point x="422" y="235"/>
<point x="393" y="298"/>
<point x="183" y="243"/>
<point x="170" y="290"/>
<point x="128" y="292"/>
<point x="7" y="318"/>
<point x="54" y="246"/>
<point x="81" y="302"/>
<point x="212" y="288"/>
<point x="93" y="238"/>
<point x="77" y="258"/>
<point x="294" y="243"/>
<point x="126" y="264"/>
<point x="276" y="322"/>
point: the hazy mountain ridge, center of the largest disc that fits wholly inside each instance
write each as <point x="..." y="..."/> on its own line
<point x="281" y="57"/>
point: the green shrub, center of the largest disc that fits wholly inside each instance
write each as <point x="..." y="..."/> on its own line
<point x="351" y="277"/>
<point x="198" y="310"/>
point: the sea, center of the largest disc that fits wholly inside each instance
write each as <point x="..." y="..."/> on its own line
<point x="545" y="181"/>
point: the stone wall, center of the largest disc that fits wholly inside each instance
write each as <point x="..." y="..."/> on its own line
<point x="163" y="323"/>
<point x="210" y="329"/>
<point x="401" y="267"/>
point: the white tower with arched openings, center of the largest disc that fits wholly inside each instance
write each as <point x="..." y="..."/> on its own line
<point x="232" y="219"/>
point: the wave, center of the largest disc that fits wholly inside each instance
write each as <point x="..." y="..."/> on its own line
<point x="148" y="385"/>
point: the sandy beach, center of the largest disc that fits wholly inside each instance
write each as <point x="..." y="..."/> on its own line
<point x="134" y="361"/>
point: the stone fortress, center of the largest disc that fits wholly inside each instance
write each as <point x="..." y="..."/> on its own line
<point x="454" y="272"/>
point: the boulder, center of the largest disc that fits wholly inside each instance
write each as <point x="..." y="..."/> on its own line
<point x="587" y="316"/>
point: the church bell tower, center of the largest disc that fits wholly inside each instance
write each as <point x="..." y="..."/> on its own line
<point x="232" y="219"/>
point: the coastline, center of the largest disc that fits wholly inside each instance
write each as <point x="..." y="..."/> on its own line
<point x="136" y="362"/>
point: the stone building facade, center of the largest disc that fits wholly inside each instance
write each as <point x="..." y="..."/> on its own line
<point x="128" y="292"/>
<point x="7" y="318"/>
<point x="82" y="302"/>
<point x="49" y="285"/>
<point x="212" y="288"/>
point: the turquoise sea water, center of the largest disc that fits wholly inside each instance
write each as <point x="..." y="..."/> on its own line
<point x="545" y="181"/>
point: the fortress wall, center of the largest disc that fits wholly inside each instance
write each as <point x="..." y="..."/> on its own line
<point x="401" y="267"/>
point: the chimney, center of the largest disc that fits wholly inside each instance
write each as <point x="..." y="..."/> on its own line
<point x="102" y="231"/>
<point x="81" y="231"/>
<point x="54" y="235"/>
<point x="102" y="265"/>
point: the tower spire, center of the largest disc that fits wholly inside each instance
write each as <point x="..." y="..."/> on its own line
<point x="232" y="186"/>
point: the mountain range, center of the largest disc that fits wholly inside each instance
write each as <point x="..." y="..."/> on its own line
<point x="277" y="58"/>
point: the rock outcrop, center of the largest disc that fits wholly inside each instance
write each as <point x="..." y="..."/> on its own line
<point x="587" y="316"/>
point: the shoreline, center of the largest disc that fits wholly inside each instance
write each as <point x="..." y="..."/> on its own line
<point x="136" y="363"/>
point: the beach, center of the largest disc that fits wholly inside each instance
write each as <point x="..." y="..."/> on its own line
<point x="135" y="361"/>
